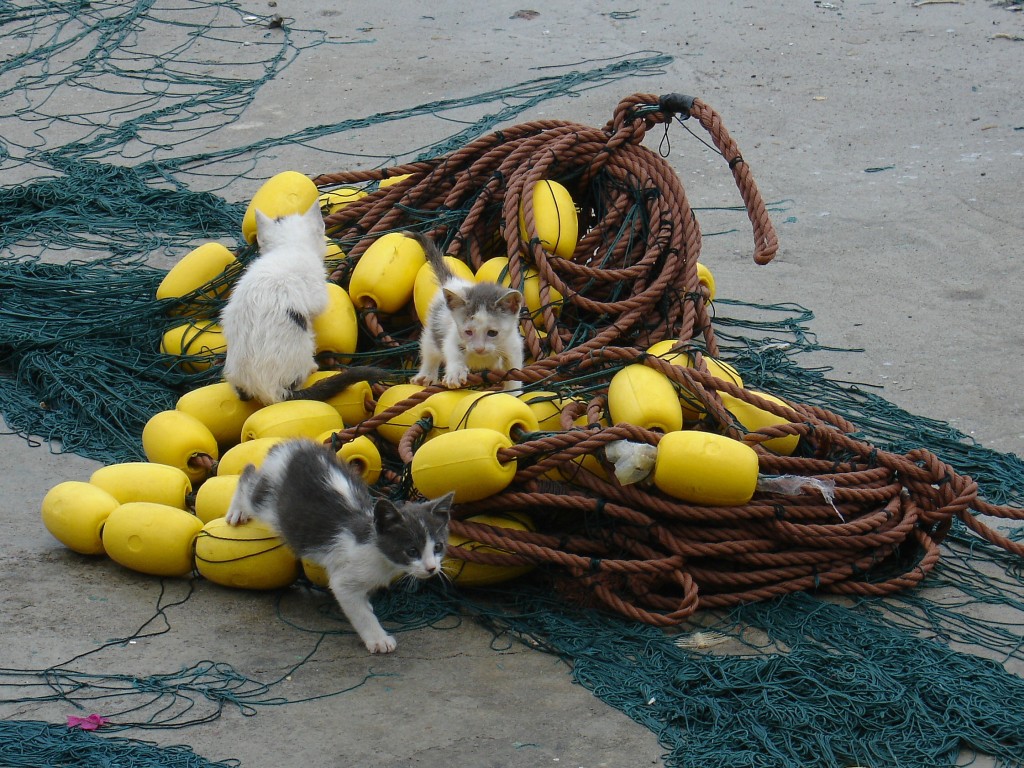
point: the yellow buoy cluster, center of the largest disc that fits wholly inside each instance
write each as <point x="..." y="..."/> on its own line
<point x="165" y="516"/>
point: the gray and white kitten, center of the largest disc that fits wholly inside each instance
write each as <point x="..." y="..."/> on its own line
<point x="268" y="319"/>
<point x="470" y="326"/>
<point x="323" y="510"/>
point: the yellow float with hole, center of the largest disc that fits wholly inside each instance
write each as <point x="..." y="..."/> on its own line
<point x="464" y="461"/>
<point x="194" y="271"/>
<point x="292" y="418"/>
<point x="283" y="194"/>
<point x="176" y="438"/>
<point x="214" y="497"/>
<point x="234" y="461"/>
<point x="144" y="481"/>
<point x="753" y="418"/>
<point x="547" y="408"/>
<point x="386" y="272"/>
<point x="499" y="411"/>
<point x="74" y="512"/>
<point x="351" y="402"/>
<point x="220" y="409"/>
<point x="361" y="454"/>
<point x="644" y="397"/>
<point x="202" y="342"/>
<point x="336" y="329"/>
<point x="554" y="215"/>
<point x="468" y="574"/>
<point x="151" y="538"/>
<point x="425" y="286"/>
<point x="247" y="556"/>
<point x="706" y="468"/>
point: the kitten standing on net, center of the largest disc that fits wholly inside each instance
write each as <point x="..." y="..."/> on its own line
<point x="268" y="319"/>
<point x="470" y="326"/>
<point x="323" y="510"/>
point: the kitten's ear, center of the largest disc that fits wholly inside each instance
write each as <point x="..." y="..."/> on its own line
<point x="385" y="515"/>
<point x="453" y="299"/>
<point x="511" y="302"/>
<point x="315" y="216"/>
<point x="263" y="223"/>
<point x="441" y="508"/>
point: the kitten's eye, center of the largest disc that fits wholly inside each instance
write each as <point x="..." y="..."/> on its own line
<point x="469" y="331"/>
<point x="412" y="552"/>
<point x="492" y="333"/>
<point x="438" y="548"/>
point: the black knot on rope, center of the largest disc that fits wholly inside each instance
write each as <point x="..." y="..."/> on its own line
<point x="676" y="104"/>
<point x="735" y="161"/>
<point x="780" y="511"/>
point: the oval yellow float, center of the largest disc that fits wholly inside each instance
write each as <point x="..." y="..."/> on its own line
<point x="334" y="200"/>
<point x="283" y="194"/>
<point x="151" y="538"/>
<point x="234" y="461"/>
<point x="74" y="512"/>
<point x="644" y="397"/>
<point x="386" y="272"/>
<point x="393" y="429"/>
<point x="175" y="438"/>
<point x="753" y="418"/>
<point x="144" y="481"/>
<point x="705" y="468"/>
<point x="499" y="411"/>
<point x="292" y="418"/>
<point x="426" y="285"/>
<point x="195" y="270"/>
<point x="554" y="215"/>
<point x="202" y="342"/>
<point x="247" y="556"/>
<point x="214" y="497"/>
<point x="351" y="402"/>
<point x="464" y="461"/>
<point x="220" y="409"/>
<point x="336" y="329"/>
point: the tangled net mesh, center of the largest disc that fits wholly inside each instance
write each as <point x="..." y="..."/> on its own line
<point x="631" y="282"/>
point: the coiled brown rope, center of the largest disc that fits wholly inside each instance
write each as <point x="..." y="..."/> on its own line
<point x="632" y="281"/>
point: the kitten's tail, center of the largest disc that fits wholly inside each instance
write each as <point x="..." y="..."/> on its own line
<point x="434" y="257"/>
<point x="328" y="387"/>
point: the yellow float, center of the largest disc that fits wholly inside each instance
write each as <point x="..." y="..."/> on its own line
<point x="361" y="454"/>
<point x="495" y="270"/>
<point x="247" y="556"/>
<point x="644" y="397"/>
<point x="336" y="329"/>
<point x="468" y="574"/>
<point x="464" y="461"/>
<point x="386" y="272"/>
<point x="283" y="194"/>
<point x="554" y="215"/>
<point x="692" y="407"/>
<point x="213" y="499"/>
<point x="195" y="270"/>
<point x="177" y="439"/>
<point x="74" y="512"/>
<point x="393" y="429"/>
<point x="144" y="481"/>
<point x="201" y="341"/>
<point x="220" y="409"/>
<point x="292" y="418"/>
<point x="351" y="402"/>
<point x="234" y="461"/>
<point x="753" y="418"/>
<point x="334" y="200"/>
<point x="705" y="468"/>
<point x="151" y="538"/>
<point x="498" y="411"/>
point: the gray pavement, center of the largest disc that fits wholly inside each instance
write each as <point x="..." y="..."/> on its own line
<point x="895" y="130"/>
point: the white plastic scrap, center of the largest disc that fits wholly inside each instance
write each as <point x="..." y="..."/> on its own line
<point x="795" y="485"/>
<point x="633" y="461"/>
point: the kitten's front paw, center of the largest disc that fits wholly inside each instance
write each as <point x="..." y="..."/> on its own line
<point x="456" y="379"/>
<point x="382" y="644"/>
<point x="236" y="516"/>
<point x="423" y="380"/>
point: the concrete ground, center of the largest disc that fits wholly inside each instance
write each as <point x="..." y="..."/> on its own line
<point x="894" y="129"/>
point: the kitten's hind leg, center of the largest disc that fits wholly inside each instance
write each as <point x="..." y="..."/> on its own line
<point x="356" y="606"/>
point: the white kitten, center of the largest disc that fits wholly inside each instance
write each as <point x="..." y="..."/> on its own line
<point x="470" y="326"/>
<point x="268" y="319"/>
<point x="323" y="510"/>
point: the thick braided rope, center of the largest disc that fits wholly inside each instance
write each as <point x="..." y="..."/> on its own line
<point x="632" y="281"/>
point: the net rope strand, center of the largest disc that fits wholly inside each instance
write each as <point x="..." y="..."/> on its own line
<point x="645" y="555"/>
